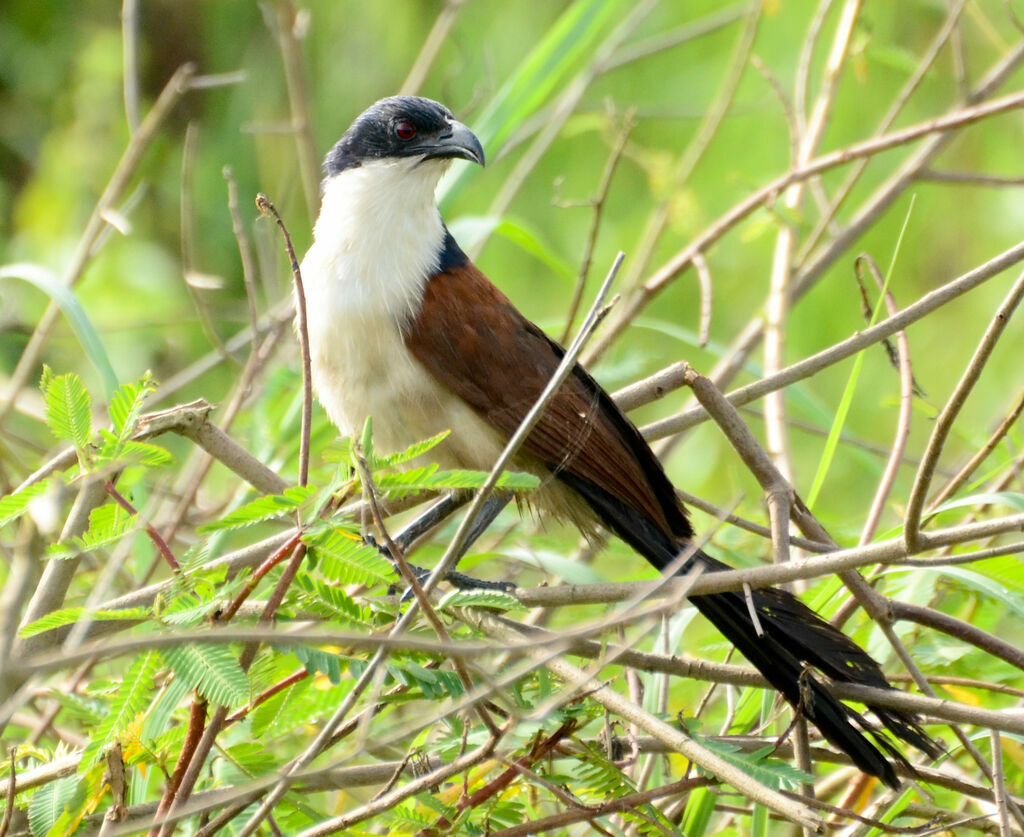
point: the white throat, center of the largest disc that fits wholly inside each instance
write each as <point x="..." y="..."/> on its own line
<point x="379" y="236"/>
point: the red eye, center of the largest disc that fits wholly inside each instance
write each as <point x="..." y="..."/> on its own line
<point x="405" y="130"/>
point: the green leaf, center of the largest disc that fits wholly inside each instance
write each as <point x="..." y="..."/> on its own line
<point x="212" y="670"/>
<point x="832" y="442"/>
<point x="430" y="478"/>
<point x="544" y="71"/>
<point x="479" y="598"/>
<point x="345" y="559"/>
<point x="15" y="505"/>
<point x="84" y="330"/>
<point x="49" y="802"/>
<point x="107" y="525"/>
<point x="314" y="660"/>
<point x="129" y="701"/>
<point x="116" y="453"/>
<point x="329" y="602"/>
<point x="70" y="615"/>
<point x="267" y="507"/>
<point x="1010" y="499"/>
<point x="68" y="410"/>
<point x="469" y="230"/>
<point x="410" y="452"/>
<point x="126" y="405"/>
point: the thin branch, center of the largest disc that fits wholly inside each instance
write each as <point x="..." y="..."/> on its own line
<point x="768" y="193"/>
<point x="844" y="349"/>
<point x="154" y="535"/>
<point x="267" y="208"/>
<point x="944" y="423"/>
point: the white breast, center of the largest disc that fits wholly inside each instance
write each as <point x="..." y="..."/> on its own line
<point x="377" y="241"/>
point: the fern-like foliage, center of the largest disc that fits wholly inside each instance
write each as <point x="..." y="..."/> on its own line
<point x="128" y="703"/>
<point x="68" y="409"/>
<point x="126" y="405"/>
<point x="330" y="602"/>
<point x="13" y="506"/>
<point x="70" y="615"/>
<point x="342" y="557"/>
<point x="267" y="507"/>
<point x="107" y="525"/>
<point x="212" y="670"/>
<point x="432" y="478"/>
<point x="49" y="803"/>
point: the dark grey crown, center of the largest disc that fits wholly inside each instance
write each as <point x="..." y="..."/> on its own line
<point x="376" y="134"/>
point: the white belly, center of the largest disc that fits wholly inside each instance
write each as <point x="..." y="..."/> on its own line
<point x="363" y="369"/>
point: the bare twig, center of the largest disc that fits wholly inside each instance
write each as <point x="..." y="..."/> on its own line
<point x="944" y="423"/>
<point x="267" y="208"/>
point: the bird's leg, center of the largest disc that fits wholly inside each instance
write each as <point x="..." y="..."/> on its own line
<point x="436" y="515"/>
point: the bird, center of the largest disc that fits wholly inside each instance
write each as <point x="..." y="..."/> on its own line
<point x="404" y="328"/>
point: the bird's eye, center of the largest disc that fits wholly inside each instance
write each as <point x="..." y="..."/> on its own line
<point x="405" y="130"/>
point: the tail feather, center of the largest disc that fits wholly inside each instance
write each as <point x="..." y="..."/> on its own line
<point x="792" y="640"/>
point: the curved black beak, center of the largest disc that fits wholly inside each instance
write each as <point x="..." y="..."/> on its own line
<point x="459" y="142"/>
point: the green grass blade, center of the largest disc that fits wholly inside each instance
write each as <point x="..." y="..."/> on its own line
<point x="832" y="443"/>
<point x="84" y="330"/>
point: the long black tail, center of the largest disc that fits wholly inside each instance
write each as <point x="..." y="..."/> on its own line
<point x="792" y="640"/>
<point x="794" y="637"/>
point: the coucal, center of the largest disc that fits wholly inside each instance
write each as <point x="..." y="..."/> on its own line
<point x="403" y="327"/>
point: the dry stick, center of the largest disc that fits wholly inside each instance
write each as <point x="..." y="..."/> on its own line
<point x="912" y="83"/>
<point x="12" y="782"/>
<point x="971" y="465"/>
<point x="679" y="742"/>
<point x="196" y="722"/>
<point x="192" y="477"/>
<point x="598" y="203"/>
<point x="706" y="286"/>
<point x="950" y="625"/>
<point x="663" y="41"/>
<point x="249" y="271"/>
<point x="267" y="208"/>
<point x="899" y="444"/>
<point x="916" y="540"/>
<point x="282" y="20"/>
<point x="726" y="369"/>
<point x="692" y="154"/>
<point x="431" y="46"/>
<point x="398" y="555"/>
<point x="766" y="194"/>
<point x="777" y="307"/>
<point x="999" y="785"/>
<point x="154" y="535"/>
<point x="282" y="312"/>
<point x="216" y="724"/>
<point x="539" y="750"/>
<point x="448" y="560"/>
<point x="563" y="108"/>
<point x="130" y="62"/>
<point x="969" y="178"/>
<point x="892" y="551"/>
<point x="392" y="798"/>
<point x="205" y="744"/>
<point x="126" y="167"/>
<point x="844" y="349"/>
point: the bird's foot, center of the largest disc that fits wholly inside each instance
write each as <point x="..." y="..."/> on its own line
<point x="460" y="581"/>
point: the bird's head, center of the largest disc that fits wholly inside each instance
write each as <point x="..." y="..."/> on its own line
<point x="403" y="128"/>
